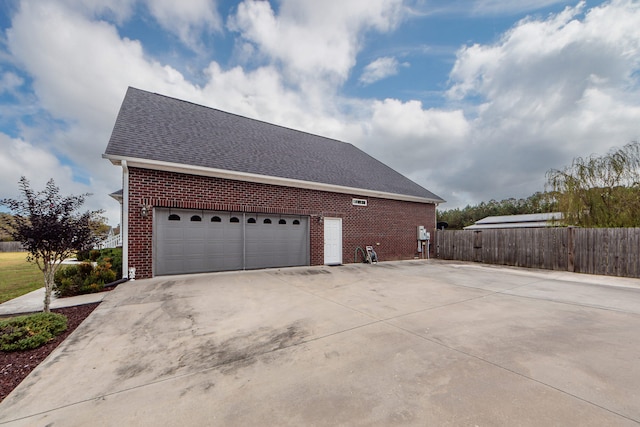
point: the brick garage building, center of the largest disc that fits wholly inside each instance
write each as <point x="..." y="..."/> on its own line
<point x="206" y="190"/>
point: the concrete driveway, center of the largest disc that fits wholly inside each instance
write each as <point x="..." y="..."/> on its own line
<point x="400" y="343"/>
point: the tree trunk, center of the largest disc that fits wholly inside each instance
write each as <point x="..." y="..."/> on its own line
<point x="49" y="272"/>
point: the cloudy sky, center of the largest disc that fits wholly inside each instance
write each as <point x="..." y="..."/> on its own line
<point x="472" y="99"/>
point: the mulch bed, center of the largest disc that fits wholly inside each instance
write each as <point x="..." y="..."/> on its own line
<point x="16" y="365"/>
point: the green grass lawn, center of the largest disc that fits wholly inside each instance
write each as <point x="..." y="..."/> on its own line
<point x="17" y="276"/>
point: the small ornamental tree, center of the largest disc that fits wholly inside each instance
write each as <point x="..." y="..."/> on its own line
<point x="50" y="228"/>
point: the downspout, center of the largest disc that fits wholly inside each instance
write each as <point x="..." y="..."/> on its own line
<point x="125" y="219"/>
<point x="435" y="231"/>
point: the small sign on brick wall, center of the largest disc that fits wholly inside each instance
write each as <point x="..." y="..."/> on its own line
<point x="359" y="202"/>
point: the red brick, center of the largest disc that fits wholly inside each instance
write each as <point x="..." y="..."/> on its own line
<point x="391" y="223"/>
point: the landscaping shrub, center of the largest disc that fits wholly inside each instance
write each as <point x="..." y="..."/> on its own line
<point x="94" y="254"/>
<point x="101" y="275"/>
<point x="32" y="331"/>
<point x="88" y="255"/>
<point x="82" y="255"/>
<point x="85" y="278"/>
<point x="113" y="256"/>
<point x="70" y="281"/>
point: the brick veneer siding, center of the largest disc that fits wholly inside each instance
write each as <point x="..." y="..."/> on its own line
<point x="391" y="223"/>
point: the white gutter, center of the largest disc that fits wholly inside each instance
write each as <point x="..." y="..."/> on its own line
<point x="125" y="219"/>
<point x="263" y="179"/>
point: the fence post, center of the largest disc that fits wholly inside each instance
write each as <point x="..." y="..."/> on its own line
<point x="570" y="250"/>
<point x="477" y="246"/>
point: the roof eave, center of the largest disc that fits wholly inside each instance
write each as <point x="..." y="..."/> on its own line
<point x="262" y="179"/>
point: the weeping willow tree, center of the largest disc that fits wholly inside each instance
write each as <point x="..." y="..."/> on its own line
<point x="600" y="191"/>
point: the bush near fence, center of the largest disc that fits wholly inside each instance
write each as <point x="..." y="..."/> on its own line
<point x="606" y="251"/>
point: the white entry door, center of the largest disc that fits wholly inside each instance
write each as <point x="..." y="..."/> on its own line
<point x="333" y="241"/>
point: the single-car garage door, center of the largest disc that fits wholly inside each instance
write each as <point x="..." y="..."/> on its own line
<point x="190" y="241"/>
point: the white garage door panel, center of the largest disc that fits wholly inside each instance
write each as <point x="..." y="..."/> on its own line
<point x="187" y="246"/>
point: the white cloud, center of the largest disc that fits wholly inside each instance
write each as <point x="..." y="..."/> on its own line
<point x="550" y="90"/>
<point x="71" y="80"/>
<point x="80" y="82"/>
<point x="9" y="82"/>
<point x="501" y="7"/>
<point x="379" y="69"/>
<point x="18" y="157"/>
<point x="421" y="143"/>
<point x="187" y="19"/>
<point x="561" y="53"/>
<point x="119" y="10"/>
<point x="314" y="39"/>
<point x="84" y="89"/>
<point x="263" y="94"/>
<point x="88" y="66"/>
<point x="481" y="7"/>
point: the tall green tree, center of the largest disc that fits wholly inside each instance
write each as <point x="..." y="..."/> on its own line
<point x="600" y="191"/>
<point x="50" y="227"/>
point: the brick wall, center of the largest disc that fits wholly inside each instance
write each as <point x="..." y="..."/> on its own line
<point x="390" y="223"/>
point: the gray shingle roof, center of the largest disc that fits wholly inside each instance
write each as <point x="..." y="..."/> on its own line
<point x="156" y="127"/>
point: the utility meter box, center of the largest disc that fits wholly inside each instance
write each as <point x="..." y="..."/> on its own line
<point x="422" y="233"/>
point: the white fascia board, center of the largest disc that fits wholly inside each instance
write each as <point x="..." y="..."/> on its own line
<point x="262" y="179"/>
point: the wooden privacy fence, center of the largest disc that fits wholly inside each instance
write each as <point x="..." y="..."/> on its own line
<point x="11" y="247"/>
<point x="608" y="251"/>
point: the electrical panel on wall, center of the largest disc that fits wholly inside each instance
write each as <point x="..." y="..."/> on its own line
<point x="422" y="233"/>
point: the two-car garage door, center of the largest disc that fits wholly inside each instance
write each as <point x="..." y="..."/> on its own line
<point x="190" y="241"/>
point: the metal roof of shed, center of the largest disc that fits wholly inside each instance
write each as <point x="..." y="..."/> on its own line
<point x="551" y="219"/>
